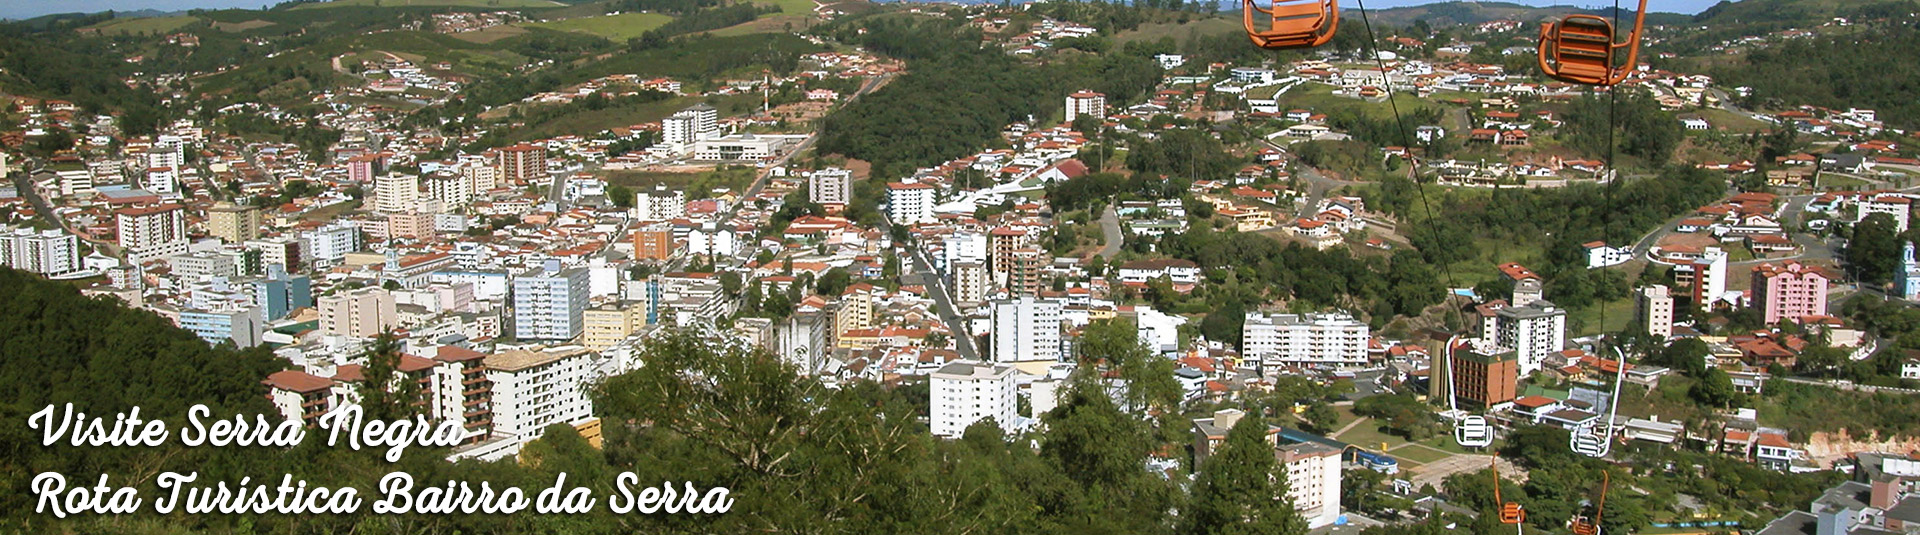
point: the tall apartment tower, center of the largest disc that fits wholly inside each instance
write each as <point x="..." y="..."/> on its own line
<point x="523" y="163"/>
<point x="1789" y="291"/>
<point x="830" y="186"/>
<point x="1026" y="329"/>
<point x="1656" y="310"/>
<point x="1086" y="103"/>
<point x="362" y="313"/>
<point x="550" y="305"/>
<point x="233" y="224"/>
<point x="396" y="192"/>
<point x="152" y="232"/>
<point x="966" y="391"/>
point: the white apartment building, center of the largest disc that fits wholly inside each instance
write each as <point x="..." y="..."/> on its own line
<point x="910" y="203"/>
<point x="550" y="305"/>
<point x="832" y="185"/>
<point x="1656" y="309"/>
<point x="481" y="175"/>
<point x="1533" y="332"/>
<point x="1305" y="339"/>
<point x="396" y="192"/>
<point x="45" y="252"/>
<point x="328" y="245"/>
<point x="660" y="204"/>
<point x="361" y="313"/>
<point x="454" y="191"/>
<point x="537" y="387"/>
<point x="1898" y="206"/>
<point x="152" y="232"/>
<point x="1313" y="481"/>
<point x="1026" y="329"/>
<point x="966" y="391"/>
<point x="1086" y="103"/>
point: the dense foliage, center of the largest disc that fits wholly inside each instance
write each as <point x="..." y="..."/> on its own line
<point x="957" y="96"/>
<point x="1836" y="71"/>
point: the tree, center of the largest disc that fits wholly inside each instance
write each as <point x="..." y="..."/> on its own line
<point x="1241" y="490"/>
<point x="386" y="393"/>
<point x="621" y="196"/>
<point x="1321" y="418"/>
<point x="1873" y="253"/>
<point x="1714" y="389"/>
<point x="1114" y="344"/>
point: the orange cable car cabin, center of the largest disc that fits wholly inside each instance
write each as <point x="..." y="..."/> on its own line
<point x="1291" y="23"/>
<point x="1581" y="49"/>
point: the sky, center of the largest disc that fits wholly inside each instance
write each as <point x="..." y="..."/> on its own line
<point x="26" y="9"/>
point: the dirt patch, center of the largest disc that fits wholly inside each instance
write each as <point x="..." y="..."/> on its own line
<point x="236" y="27"/>
<point x="489" y="35"/>
<point x="1823" y="448"/>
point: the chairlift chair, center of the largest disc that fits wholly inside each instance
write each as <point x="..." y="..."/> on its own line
<point x="1588" y="440"/>
<point x="1580" y="49"/>
<point x="1590" y="525"/>
<point x="1510" y="512"/>
<point x="1291" y="23"/>
<point x="1473" y="432"/>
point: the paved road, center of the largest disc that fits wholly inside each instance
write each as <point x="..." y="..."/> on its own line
<point x="943" y="301"/>
<point x="1110" y="231"/>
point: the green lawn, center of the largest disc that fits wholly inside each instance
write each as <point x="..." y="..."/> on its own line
<point x="1619" y="314"/>
<point x="449" y="3"/>
<point x="615" y="27"/>
<point x="1419" y="454"/>
<point x="1730" y="121"/>
<point x="144" y="25"/>
<point x="1369" y="437"/>
<point x="1179" y="32"/>
<point x="1320" y="98"/>
<point x="790" y="6"/>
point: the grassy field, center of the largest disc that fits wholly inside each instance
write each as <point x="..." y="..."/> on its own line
<point x="1730" y="121"/>
<point x="1155" y="31"/>
<point x="447" y="3"/>
<point x="615" y="27"/>
<point x="584" y="122"/>
<point x="143" y="25"/>
<point x="1619" y="314"/>
<point x="737" y="179"/>
<point x="236" y="27"/>
<point x="1320" y="98"/>
<point x="489" y="35"/>
<point x="790" y="6"/>
<point x="768" y="24"/>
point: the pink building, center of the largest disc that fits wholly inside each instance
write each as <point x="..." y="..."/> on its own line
<point x="1789" y="291"/>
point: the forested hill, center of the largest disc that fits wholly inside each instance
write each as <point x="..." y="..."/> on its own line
<point x="1799" y="12"/>
<point x="1864" y="65"/>
<point x="1443" y="14"/>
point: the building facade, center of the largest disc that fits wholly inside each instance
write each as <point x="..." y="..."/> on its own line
<point x="550" y="305"/>
<point x="360" y="313"/>
<point x="1656" y="310"/>
<point x="1532" y="332"/>
<point x="45" y="252"/>
<point x="1789" y="291"/>
<point x="1334" y="339"/>
<point x="1026" y="329"/>
<point x="966" y="391"/>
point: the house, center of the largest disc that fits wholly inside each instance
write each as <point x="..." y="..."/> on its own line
<point x="1175" y="270"/>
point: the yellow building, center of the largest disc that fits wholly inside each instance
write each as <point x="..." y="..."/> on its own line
<point x="607" y="325"/>
<point x="233" y="223"/>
